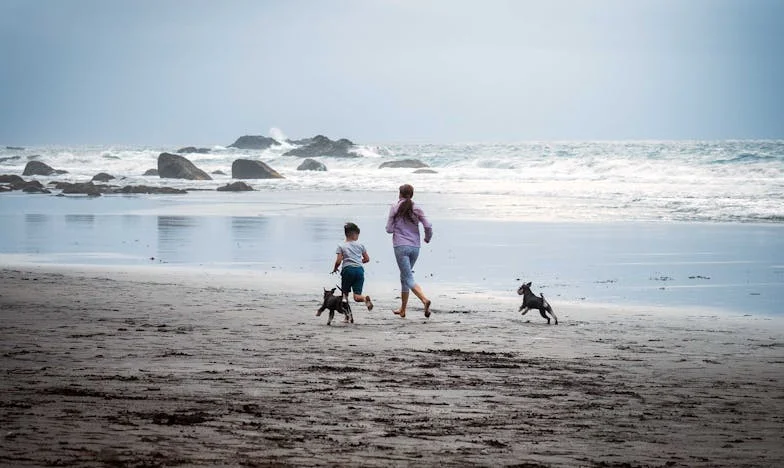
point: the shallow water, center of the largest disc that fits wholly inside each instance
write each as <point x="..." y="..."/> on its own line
<point x="739" y="267"/>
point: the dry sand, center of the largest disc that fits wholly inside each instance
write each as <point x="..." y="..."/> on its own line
<point x="125" y="371"/>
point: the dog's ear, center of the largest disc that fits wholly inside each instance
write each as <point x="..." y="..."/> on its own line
<point x="527" y="284"/>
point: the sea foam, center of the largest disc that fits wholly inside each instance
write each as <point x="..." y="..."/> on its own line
<point x="726" y="181"/>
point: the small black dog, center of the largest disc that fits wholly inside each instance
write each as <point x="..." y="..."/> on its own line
<point x="335" y="303"/>
<point x="531" y="301"/>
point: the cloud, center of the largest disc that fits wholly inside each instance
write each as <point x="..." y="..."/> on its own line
<point x="200" y="72"/>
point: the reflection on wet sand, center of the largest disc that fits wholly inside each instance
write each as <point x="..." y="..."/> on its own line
<point x="79" y="220"/>
<point x="249" y="235"/>
<point x="175" y="235"/>
<point x="36" y="230"/>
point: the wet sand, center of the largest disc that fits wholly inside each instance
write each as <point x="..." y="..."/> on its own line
<point x="154" y="369"/>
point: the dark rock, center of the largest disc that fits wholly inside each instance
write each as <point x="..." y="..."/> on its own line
<point x="149" y="190"/>
<point x="84" y="188"/>
<point x="5" y="188"/>
<point x="311" y="165"/>
<point x="10" y="158"/>
<point x="151" y="172"/>
<point x="32" y="186"/>
<point x="301" y="142"/>
<point x="174" y="166"/>
<point x="39" y="168"/>
<point x="235" y="187"/>
<point x="218" y="172"/>
<point x="102" y="177"/>
<point x="415" y="163"/>
<point x="17" y="148"/>
<point x="320" y="146"/>
<point x="249" y="169"/>
<point x="254" y="142"/>
<point x="11" y="179"/>
<point x="193" y="149"/>
<point x="35" y="190"/>
<point x="425" y="171"/>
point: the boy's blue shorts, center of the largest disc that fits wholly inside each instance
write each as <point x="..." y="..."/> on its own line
<point x="352" y="277"/>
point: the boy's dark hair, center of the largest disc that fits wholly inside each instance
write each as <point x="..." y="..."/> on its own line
<point x="350" y="228"/>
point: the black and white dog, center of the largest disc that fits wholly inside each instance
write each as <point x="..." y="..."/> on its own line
<point x="335" y="303"/>
<point x="531" y="301"/>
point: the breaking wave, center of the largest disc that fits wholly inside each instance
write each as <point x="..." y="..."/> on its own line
<point x="727" y="181"/>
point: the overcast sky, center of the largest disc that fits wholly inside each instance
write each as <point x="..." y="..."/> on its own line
<point x="185" y="72"/>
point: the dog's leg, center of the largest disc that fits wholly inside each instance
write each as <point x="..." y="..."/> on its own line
<point x="331" y="316"/>
<point x="543" y="314"/>
<point x="320" y="310"/>
<point x="350" y="314"/>
<point x="526" y="310"/>
<point x="550" y="309"/>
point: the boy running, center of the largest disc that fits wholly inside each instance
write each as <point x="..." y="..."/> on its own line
<point x="352" y="255"/>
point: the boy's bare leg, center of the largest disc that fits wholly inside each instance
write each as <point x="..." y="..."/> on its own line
<point x="403" y="303"/>
<point x="365" y="299"/>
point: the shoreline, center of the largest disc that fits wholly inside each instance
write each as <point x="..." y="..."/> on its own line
<point x="737" y="267"/>
<point x="149" y="370"/>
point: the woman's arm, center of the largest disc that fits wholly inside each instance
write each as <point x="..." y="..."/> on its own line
<point x="425" y="223"/>
<point x="391" y="219"/>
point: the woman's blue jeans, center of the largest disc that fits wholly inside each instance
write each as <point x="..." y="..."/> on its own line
<point x="406" y="256"/>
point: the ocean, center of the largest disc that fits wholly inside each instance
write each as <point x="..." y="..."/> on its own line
<point x="716" y="181"/>
<point x="685" y="223"/>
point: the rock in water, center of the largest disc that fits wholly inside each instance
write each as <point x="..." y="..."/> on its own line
<point x="256" y="142"/>
<point x="149" y="190"/>
<point x="235" y="187"/>
<point x="174" y="166"/>
<point x="250" y="169"/>
<point x="415" y="163"/>
<point x="102" y="177"/>
<point x="311" y="165"/>
<point x="39" y="168"/>
<point x="321" y="146"/>
<point x="193" y="149"/>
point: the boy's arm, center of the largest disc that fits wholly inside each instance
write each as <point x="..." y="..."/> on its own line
<point x="338" y="259"/>
<point x="365" y="256"/>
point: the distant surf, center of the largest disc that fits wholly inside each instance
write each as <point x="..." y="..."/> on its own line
<point x="718" y="181"/>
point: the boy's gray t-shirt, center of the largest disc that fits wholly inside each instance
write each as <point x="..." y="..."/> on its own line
<point x="352" y="253"/>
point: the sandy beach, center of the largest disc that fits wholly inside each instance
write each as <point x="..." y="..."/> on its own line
<point x="152" y="368"/>
<point x="176" y="179"/>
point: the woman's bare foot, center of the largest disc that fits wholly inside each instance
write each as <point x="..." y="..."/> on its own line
<point x="427" y="308"/>
<point x="401" y="313"/>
